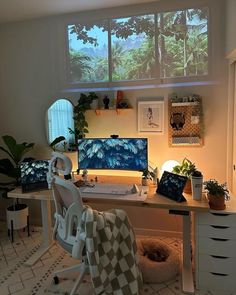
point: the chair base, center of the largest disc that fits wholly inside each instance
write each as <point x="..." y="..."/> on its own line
<point x="82" y="268"/>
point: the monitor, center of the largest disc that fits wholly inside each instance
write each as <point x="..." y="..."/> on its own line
<point x="113" y="153"/>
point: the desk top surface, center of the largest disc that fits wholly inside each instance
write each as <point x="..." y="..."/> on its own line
<point x="153" y="200"/>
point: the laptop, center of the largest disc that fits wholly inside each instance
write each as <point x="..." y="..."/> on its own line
<point x="34" y="175"/>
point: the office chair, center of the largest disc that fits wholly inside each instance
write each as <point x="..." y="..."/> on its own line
<point x="69" y="207"/>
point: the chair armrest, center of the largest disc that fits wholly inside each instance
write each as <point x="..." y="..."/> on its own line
<point x="78" y="246"/>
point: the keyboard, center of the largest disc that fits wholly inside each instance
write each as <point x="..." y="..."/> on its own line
<point x="110" y="189"/>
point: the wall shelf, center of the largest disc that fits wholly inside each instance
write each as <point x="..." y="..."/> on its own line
<point x="184" y="104"/>
<point x="118" y="110"/>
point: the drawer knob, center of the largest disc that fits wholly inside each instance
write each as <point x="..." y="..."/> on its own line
<point x="220" y="240"/>
<point x="219" y="274"/>
<point x="219" y="257"/>
<point x="220" y="226"/>
<point x="220" y="214"/>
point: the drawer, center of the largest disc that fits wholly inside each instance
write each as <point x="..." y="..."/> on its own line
<point x="215" y="246"/>
<point x="224" y="219"/>
<point x="217" y="281"/>
<point x="213" y="263"/>
<point x="217" y="231"/>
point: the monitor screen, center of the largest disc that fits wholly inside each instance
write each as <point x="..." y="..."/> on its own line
<point x="113" y="153"/>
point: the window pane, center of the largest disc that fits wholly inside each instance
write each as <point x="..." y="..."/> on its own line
<point x="183" y="43"/>
<point x="133" y="50"/>
<point x="88" y="52"/>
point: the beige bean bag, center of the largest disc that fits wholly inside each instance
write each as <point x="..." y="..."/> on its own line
<point x="158" y="261"/>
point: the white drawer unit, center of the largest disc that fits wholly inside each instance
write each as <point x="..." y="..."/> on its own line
<point x="215" y="253"/>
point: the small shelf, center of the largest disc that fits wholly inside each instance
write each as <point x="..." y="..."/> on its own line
<point x="184" y="104"/>
<point x="118" y="111"/>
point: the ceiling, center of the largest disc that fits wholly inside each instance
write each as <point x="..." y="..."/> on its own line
<point x="17" y="10"/>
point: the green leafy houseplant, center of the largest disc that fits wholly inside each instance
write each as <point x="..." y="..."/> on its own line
<point x="11" y="167"/>
<point x="147" y="175"/>
<point x="217" y="194"/>
<point x="81" y="125"/>
<point x="186" y="168"/>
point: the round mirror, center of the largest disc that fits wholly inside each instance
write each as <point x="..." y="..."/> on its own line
<point x="59" y="121"/>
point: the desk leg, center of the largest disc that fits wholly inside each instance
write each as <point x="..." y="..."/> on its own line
<point x="47" y="233"/>
<point x="187" y="274"/>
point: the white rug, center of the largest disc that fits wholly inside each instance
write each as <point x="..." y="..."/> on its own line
<point x="18" y="279"/>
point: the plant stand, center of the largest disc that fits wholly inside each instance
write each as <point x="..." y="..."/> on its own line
<point x="17" y="218"/>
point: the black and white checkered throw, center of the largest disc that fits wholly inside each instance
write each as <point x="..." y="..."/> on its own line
<point x="111" y="252"/>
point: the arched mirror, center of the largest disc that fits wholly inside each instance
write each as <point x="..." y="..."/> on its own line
<point x="59" y="119"/>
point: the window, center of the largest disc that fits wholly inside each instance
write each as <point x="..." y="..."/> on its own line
<point x="133" y="48"/>
<point x="88" y="52"/>
<point x="145" y="47"/>
<point x="183" y="43"/>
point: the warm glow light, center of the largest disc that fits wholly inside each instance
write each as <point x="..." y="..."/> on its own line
<point x="74" y="159"/>
<point x="168" y="166"/>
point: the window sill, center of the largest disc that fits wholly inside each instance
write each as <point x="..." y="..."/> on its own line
<point x="139" y="87"/>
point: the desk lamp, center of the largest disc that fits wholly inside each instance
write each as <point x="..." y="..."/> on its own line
<point x="168" y="166"/>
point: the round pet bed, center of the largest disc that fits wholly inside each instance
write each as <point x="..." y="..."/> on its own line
<point x="158" y="261"/>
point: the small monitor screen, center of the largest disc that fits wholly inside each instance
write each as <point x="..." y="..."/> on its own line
<point x="113" y="153"/>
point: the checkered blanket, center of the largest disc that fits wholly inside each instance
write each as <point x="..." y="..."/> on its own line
<point x="111" y="252"/>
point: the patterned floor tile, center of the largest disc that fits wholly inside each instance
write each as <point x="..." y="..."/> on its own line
<point x="18" y="279"/>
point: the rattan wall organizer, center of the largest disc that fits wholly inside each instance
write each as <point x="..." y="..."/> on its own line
<point x="185" y="126"/>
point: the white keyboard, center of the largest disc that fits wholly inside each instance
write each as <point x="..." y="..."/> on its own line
<point x="106" y="189"/>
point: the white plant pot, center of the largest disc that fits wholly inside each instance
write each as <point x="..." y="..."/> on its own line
<point x="196" y="184"/>
<point x="19" y="217"/>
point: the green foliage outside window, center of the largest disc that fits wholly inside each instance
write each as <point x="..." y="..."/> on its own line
<point x="181" y="47"/>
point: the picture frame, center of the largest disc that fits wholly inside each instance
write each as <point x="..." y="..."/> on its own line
<point x="151" y="116"/>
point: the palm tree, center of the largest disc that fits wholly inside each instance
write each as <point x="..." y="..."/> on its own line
<point x="79" y="66"/>
<point x="117" y="59"/>
<point x="141" y="63"/>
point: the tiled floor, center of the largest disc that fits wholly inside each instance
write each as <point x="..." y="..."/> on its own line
<point x="18" y="279"/>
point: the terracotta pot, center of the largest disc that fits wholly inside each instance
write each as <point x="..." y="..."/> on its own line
<point x="145" y="181"/>
<point x="216" y="202"/>
<point x="187" y="188"/>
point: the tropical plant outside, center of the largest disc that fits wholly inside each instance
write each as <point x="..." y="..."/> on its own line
<point x="179" y="39"/>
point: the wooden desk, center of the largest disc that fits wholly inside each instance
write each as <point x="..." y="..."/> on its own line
<point x="153" y="201"/>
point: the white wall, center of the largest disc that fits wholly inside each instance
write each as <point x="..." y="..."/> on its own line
<point x="230" y="27"/>
<point x="31" y="65"/>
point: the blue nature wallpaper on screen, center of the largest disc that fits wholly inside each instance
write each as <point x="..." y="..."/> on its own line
<point x="113" y="153"/>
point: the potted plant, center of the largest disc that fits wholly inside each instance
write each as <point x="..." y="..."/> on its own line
<point x="17" y="214"/>
<point x="217" y="194"/>
<point x="146" y="177"/>
<point x="186" y="168"/>
<point x="81" y="125"/>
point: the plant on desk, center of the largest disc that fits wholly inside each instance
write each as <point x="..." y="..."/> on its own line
<point x="11" y="169"/>
<point x="147" y="176"/>
<point x="217" y="194"/>
<point x="186" y="168"/>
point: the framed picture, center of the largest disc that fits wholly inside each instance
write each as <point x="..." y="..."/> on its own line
<point x="151" y="116"/>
